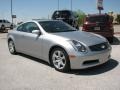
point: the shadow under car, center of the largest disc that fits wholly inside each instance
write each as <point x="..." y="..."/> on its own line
<point x="111" y="64"/>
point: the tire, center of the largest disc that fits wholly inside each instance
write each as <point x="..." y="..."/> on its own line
<point x="77" y="27"/>
<point x="2" y="28"/>
<point x="11" y="27"/>
<point x="110" y="39"/>
<point x="60" y="60"/>
<point x="11" y="47"/>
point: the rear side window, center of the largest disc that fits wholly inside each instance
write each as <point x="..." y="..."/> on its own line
<point x="0" y="21"/>
<point x="94" y="19"/>
<point x="28" y="27"/>
<point x="6" y="21"/>
<point x="56" y="15"/>
<point x="20" y="28"/>
<point x="61" y="14"/>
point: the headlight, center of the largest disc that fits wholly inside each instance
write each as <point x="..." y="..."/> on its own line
<point x="78" y="46"/>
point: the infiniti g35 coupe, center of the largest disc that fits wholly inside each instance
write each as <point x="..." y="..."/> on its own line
<point x="59" y="44"/>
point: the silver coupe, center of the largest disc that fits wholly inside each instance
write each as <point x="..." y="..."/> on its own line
<point x="59" y="44"/>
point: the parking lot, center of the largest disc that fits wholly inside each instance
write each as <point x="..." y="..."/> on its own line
<point x="22" y="72"/>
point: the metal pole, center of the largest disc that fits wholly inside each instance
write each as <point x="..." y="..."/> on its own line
<point x="58" y="5"/>
<point x="11" y="11"/>
<point x="71" y="5"/>
<point x="99" y="11"/>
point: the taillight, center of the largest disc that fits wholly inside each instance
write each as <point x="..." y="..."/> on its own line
<point x="84" y="28"/>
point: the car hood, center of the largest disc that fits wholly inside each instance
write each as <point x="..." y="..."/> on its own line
<point x="84" y="37"/>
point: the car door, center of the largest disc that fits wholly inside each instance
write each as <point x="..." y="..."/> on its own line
<point x="30" y="43"/>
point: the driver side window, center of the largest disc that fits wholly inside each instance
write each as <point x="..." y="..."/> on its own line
<point x="28" y="27"/>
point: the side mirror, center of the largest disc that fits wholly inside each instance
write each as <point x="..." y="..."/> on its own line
<point x="36" y="32"/>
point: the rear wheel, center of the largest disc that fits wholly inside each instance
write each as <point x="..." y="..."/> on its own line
<point x="59" y="59"/>
<point x="11" y="47"/>
<point x="11" y="27"/>
<point x="2" y="28"/>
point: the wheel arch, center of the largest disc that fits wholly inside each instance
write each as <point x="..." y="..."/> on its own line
<point x="53" y="47"/>
<point x="11" y="38"/>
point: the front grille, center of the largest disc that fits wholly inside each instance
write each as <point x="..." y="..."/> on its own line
<point x="99" y="47"/>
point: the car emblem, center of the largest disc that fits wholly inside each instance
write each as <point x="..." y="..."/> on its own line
<point x="102" y="46"/>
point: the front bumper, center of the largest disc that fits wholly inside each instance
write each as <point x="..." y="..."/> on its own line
<point x="89" y="59"/>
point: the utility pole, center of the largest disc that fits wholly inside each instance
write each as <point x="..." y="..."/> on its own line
<point x="99" y="11"/>
<point x="71" y="5"/>
<point x="58" y="5"/>
<point x="12" y="11"/>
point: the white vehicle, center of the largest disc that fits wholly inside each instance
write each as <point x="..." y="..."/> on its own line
<point x="5" y="24"/>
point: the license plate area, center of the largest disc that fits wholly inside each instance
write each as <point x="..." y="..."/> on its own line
<point x="97" y="28"/>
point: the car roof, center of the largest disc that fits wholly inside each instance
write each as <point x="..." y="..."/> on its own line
<point x="2" y="19"/>
<point x="41" y="20"/>
<point x="38" y="20"/>
<point x="63" y="10"/>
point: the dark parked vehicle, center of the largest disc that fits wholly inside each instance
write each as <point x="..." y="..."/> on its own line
<point x="67" y="16"/>
<point x="100" y="24"/>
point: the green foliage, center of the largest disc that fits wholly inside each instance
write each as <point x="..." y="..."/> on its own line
<point x="81" y="16"/>
<point x="118" y="18"/>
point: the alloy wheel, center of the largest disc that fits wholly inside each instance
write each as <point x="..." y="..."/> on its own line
<point x="59" y="59"/>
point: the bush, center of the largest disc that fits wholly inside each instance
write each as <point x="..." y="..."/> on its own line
<point x="118" y="18"/>
<point x="81" y="16"/>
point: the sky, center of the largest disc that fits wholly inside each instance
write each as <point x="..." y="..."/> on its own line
<point x="36" y="9"/>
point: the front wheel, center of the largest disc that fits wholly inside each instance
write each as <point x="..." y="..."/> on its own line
<point x="11" y="47"/>
<point x="60" y="60"/>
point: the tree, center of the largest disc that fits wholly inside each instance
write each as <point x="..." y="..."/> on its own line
<point x="118" y="18"/>
<point x="81" y="16"/>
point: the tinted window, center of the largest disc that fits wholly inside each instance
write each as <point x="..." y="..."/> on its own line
<point x="28" y="27"/>
<point x="20" y="28"/>
<point x="56" y="26"/>
<point x="98" y="19"/>
<point x="7" y="21"/>
<point x="62" y="14"/>
<point x="31" y="26"/>
<point x="0" y="21"/>
<point x="4" y="21"/>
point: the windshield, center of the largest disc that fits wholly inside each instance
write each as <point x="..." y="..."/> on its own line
<point x="56" y="26"/>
